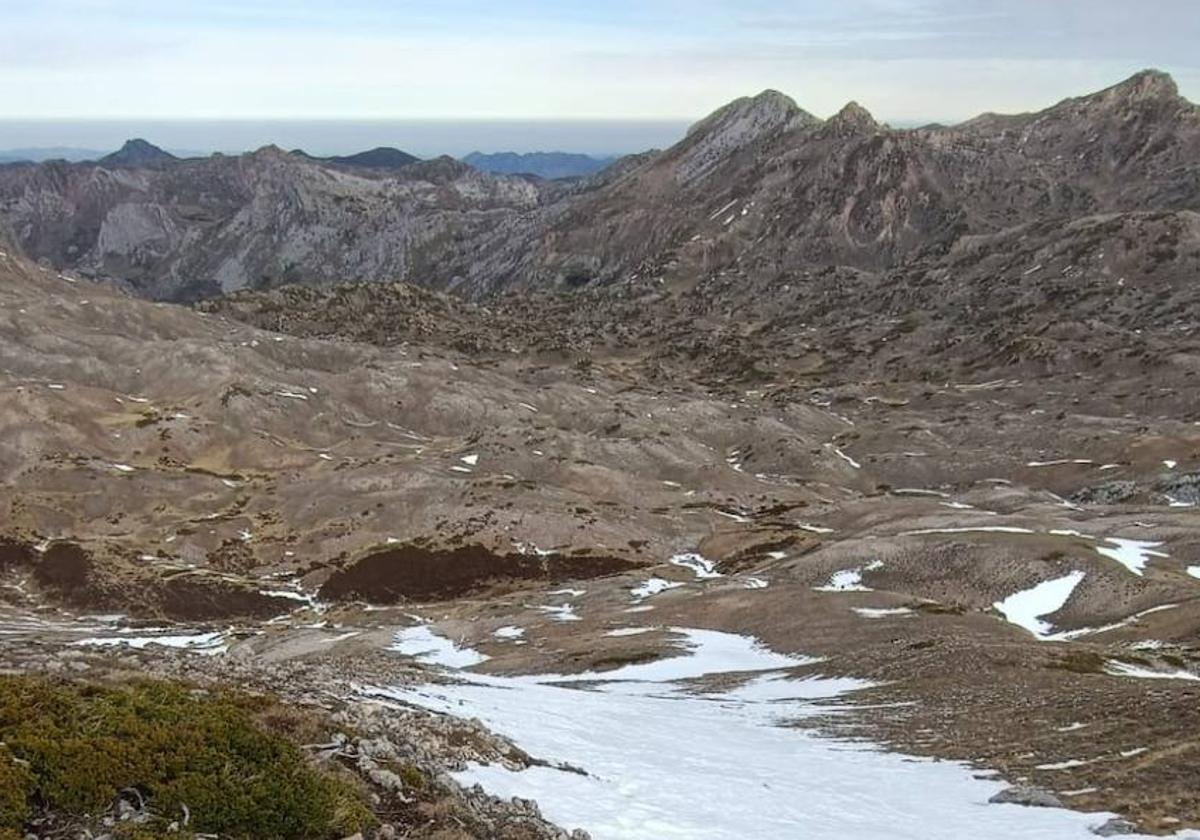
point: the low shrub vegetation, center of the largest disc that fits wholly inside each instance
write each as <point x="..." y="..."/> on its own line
<point x="69" y="750"/>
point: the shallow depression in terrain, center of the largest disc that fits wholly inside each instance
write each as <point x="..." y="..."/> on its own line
<point x="662" y="762"/>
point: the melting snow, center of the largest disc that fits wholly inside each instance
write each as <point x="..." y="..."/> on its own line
<point x="702" y="568"/>
<point x="1126" y="669"/>
<point x="565" y="612"/>
<point x="509" y="632"/>
<point x="845" y="457"/>
<point x="882" y="612"/>
<point x="980" y="529"/>
<point x="207" y="643"/>
<point x="1026" y="608"/>
<point x="814" y="529"/>
<point x="1063" y="765"/>
<point x="653" y="587"/>
<point x="660" y="763"/>
<point x="629" y="631"/>
<point x="754" y="583"/>
<point x="1132" y="554"/>
<point x="847" y="580"/>
<point x="426" y="646"/>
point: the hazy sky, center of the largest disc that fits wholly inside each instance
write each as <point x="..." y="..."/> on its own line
<point x="905" y="60"/>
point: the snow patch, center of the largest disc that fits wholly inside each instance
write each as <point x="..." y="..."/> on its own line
<point x="428" y="647"/>
<point x="1026" y="608"/>
<point x="702" y="568"/>
<point x="1132" y="554"/>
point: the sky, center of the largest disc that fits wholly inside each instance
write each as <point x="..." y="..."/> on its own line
<point x="907" y="61"/>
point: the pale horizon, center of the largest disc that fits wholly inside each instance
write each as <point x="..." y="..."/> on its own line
<point x="907" y="61"/>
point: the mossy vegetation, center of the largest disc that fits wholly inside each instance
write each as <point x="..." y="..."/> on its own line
<point x="70" y="749"/>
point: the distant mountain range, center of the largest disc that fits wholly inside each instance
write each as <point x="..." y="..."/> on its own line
<point x="760" y="187"/>
<point x="383" y="157"/>
<point x="550" y="165"/>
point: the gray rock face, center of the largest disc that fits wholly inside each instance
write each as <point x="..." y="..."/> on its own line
<point x="202" y="227"/>
<point x="1108" y="493"/>
<point x="1181" y="488"/>
<point x="1028" y="795"/>
<point x="1115" y="827"/>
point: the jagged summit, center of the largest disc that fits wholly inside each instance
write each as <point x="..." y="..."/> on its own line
<point x="852" y="119"/>
<point x="1145" y="84"/>
<point x="138" y="152"/>
<point x="735" y="126"/>
<point x="768" y="109"/>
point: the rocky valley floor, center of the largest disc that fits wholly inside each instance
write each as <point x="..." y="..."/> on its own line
<point x="485" y="540"/>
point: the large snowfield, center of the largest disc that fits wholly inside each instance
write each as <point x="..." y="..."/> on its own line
<point x="664" y="762"/>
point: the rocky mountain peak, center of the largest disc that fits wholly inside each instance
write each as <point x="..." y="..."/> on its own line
<point x="734" y="126"/>
<point x="138" y="152"/>
<point x="1147" y="84"/>
<point x="1149" y="89"/>
<point x="852" y="119"/>
<point x="767" y="111"/>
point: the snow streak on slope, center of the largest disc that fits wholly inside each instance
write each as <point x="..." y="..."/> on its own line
<point x="664" y="762"/>
<point x="1026" y="608"/>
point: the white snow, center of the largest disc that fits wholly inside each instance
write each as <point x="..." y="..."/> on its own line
<point x="621" y="632"/>
<point x="845" y="457"/>
<point x="426" y="646"/>
<point x="664" y="764"/>
<point x="980" y="529"/>
<point x="755" y="583"/>
<point x="565" y="612"/>
<point x="207" y="643"/>
<point x="1026" y="608"/>
<point x="847" y="580"/>
<point x="125" y="468"/>
<point x="1132" y="554"/>
<point x="882" y="612"/>
<point x="290" y="594"/>
<point x="341" y="637"/>
<point x="470" y="460"/>
<point x="509" y="632"/>
<point x="1170" y="464"/>
<point x="1126" y="669"/>
<point x="1059" y="462"/>
<point x="653" y="587"/>
<point x="292" y="395"/>
<point x="1062" y="765"/>
<point x="814" y="529"/>
<point x="1194" y="571"/>
<point x="702" y="568"/>
<point x="574" y="593"/>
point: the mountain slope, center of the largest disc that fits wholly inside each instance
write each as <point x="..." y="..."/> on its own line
<point x="759" y="187"/>
<point x="199" y="227"/>
<point x="765" y="188"/>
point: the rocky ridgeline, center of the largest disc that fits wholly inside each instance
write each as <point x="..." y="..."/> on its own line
<point x="760" y="186"/>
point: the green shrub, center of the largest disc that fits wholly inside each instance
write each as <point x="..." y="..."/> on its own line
<point x="83" y="744"/>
